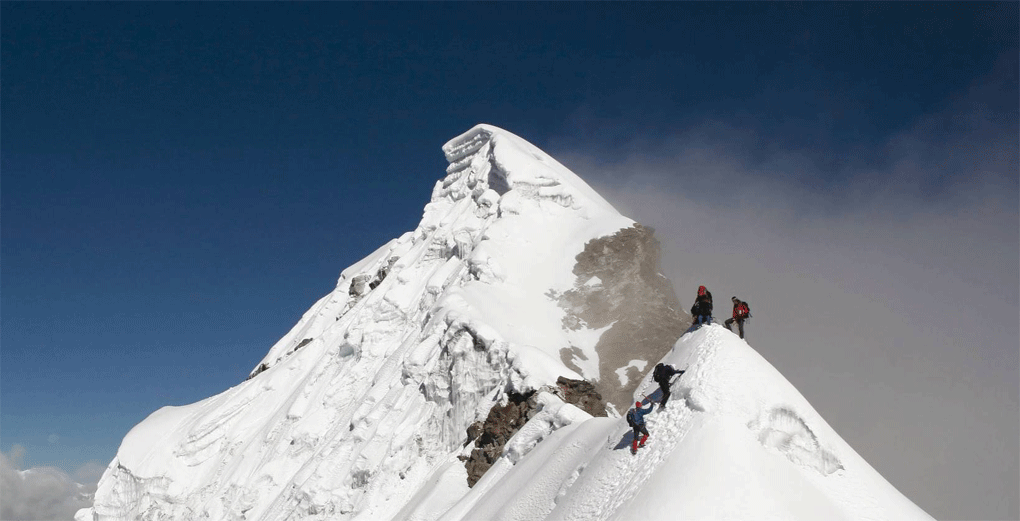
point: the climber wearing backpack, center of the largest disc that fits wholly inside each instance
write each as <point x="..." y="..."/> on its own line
<point x="636" y="420"/>
<point x="741" y="312"/>
<point x="662" y="375"/>
<point x="702" y="308"/>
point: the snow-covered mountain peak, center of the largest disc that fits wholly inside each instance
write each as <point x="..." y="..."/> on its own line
<point x="519" y="283"/>
<point x="490" y="158"/>
<point x="477" y="350"/>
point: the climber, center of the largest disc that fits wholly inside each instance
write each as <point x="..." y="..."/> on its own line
<point x="741" y="312"/>
<point x="636" y="420"/>
<point x="702" y="308"/>
<point x="662" y="375"/>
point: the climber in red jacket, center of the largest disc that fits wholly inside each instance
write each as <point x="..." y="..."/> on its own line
<point x="741" y="312"/>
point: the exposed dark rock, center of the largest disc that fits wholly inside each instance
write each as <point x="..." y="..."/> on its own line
<point x="261" y="367"/>
<point x="582" y="394"/>
<point x="473" y="431"/>
<point x="501" y="424"/>
<point x="632" y="295"/>
<point x="504" y="421"/>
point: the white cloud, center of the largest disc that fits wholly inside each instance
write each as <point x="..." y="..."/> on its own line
<point x="88" y="475"/>
<point x="43" y="493"/>
<point x="887" y="294"/>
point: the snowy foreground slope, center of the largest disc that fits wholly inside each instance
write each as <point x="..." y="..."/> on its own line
<point x="736" y="441"/>
<point x="518" y="276"/>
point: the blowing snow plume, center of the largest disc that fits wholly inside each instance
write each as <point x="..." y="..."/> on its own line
<point x="465" y="344"/>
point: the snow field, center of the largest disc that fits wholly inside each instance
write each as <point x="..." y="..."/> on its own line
<point x="360" y="407"/>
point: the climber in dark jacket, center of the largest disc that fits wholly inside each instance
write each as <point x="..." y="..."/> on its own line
<point x="662" y="375"/>
<point x="740" y="314"/>
<point x="702" y="308"/>
<point x="636" y="419"/>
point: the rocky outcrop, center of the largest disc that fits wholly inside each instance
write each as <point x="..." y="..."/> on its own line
<point x="618" y="283"/>
<point x="583" y="394"/>
<point x="492" y="434"/>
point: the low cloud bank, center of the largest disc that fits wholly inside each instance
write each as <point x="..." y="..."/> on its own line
<point x="43" y="493"/>
<point x="883" y="284"/>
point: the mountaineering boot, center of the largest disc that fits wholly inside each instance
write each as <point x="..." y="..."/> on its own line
<point x="633" y="447"/>
<point x="643" y="438"/>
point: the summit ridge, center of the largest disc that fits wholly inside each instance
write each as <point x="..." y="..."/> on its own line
<point x="518" y="281"/>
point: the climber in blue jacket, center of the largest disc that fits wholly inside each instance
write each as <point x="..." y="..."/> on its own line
<point x="636" y="419"/>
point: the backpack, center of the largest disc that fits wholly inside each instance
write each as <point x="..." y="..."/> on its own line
<point x="630" y="419"/>
<point x="659" y="373"/>
<point x="747" y="309"/>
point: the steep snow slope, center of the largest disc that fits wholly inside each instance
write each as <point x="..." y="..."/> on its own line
<point x="736" y="441"/>
<point x="517" y="275"/>
<point x="365" y="403"/>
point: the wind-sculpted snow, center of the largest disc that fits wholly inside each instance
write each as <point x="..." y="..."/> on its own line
<point x="518" y="275"/>
<point x="365" y="403"/>
<point x="784" y="430"/>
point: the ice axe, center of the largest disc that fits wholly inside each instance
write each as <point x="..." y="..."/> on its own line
<point x="676" y="377"/>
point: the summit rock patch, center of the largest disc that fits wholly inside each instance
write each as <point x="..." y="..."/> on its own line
<point x="618" y="283"/>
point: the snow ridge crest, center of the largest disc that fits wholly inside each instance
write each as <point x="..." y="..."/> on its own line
<point x="487" y="162"/>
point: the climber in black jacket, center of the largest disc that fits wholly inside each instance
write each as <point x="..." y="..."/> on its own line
<point x="702" y="308"/>
<point x="662" y="374"/>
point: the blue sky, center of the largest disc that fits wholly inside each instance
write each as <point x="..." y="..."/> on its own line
<point x="180" y="181"/>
